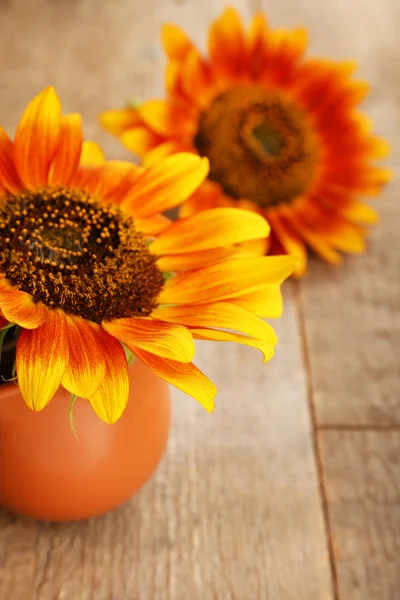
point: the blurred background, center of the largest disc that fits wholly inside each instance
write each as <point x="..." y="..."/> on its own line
<point x="291" y="489"/>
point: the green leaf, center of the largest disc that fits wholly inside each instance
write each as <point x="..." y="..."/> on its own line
<point x="134" y="103"/>
<point x="129" y="355"/>
<point x="71" y="416"/>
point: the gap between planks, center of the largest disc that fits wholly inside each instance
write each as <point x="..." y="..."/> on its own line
<point x="296" y="291"/>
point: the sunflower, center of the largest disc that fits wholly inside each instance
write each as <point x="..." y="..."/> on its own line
<point x="91" y="272"/>
<point x="282" y="133"/>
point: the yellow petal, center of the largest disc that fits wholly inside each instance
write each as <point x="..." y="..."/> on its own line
<point x="110" y="399"/>
<point x="118" y="120"/>
<point x="163" y="339"/>
<point x="86" y="367"/>
<point x="209" y="229"/>
<point x="184" y="376"/>
<point x="167" y="118"/>
<point x="139" y="140"/>
<point x="92" y="155"/>
<point x="42" y="357"/>
<point x="222" y="315"/>
<point x="226" y="280"/>
<point x="67" y="157"/>
<point x="37" y="137"/>
<point x="224" y="336"/>
<point x="19" y="307"/>
<point x="265" y="302"/>
<point x="175" y="42"/>
<point x="166" y="184"/>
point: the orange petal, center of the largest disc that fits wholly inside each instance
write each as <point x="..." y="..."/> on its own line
<point x="152" y="225"/>
<point x="162" y="151"/>
<point x="360" y="213"/>
<point x="315" y="240"/>
<point x="37" y="138"/>
<point x="92" y="154"/>
<point x="196" y="79"/>
<point x="223" y="315"/>
<point x="3" y="321"/>
<point x="139" y="140"/>
<point x="226" y="280"/>
<point x="175" y="42"/>
<point x="111" y="398"/>
<point x="224" y="336"/>
<point x="108" y="179"/>
<point x="184" y="376"/>
<point x="195" y="260"/>
<point x="209" y="229"/>
<point x="265" y="302"/>
<point x="163" y="339"/>
<point x="226" y="45"/>
<point x="289" y="241"/>
<point x="166" y="184"/>
<point x="20" y="308"/>
<point x="86" y="366"/>
<point x="42" y="357"/>
<point x="118" y="120"/>
<point x="207" y="196"/>
<point x="8" y="175"/>
<point x="69" y="150"/>
<point x="168" y="118"/>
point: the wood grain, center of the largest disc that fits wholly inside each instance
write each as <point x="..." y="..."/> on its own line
<point x="352" y="313"/>
<point x="232" y="514"/>
<point x="362" y="471"/>
<point x="234" y="511"/>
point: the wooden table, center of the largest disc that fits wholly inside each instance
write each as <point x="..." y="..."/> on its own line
<point x="291" y="490"/>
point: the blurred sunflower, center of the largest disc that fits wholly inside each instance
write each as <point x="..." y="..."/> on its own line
<point x="89" y="267"/>
<point x="282" y="133"/>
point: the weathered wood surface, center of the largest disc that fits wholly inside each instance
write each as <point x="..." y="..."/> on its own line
<point x="235" y="511"/>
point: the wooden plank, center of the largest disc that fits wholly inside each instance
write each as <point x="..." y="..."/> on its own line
<point x="234" y="511"/>
<point x="352" y="313"/>
<point x="362" y="475"/>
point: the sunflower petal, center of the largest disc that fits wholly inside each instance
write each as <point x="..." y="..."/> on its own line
<point x="8" y="175"/>
<point x="37" y="138"/>
<point x="118" y="120"/>
<point x="166" y="184"/>
<point x="175" y="42"/>
<point x="195" y="260"/>
<point x="224" y="336"/>
<point x="226" y="44"/>
<point x="161" y="151"/>
<point x="86" y="366"/>
<point x="226" y="280"/>
<point x="139" y="140"/>
<point x="67" y="157"/>
<point x="209" y="229"/>
<point x="91" y="155"/>
<point x="265" y="302"/>
<point x="167" y="118"/>
<point x="111" y="398"/>
<point x="184" y="376"/>
<point x="290" y="242"/>
<point x="222" y="315"/>
<point x="42" y="356"/>
<point x="19" y="307"/>
<point x="162" y="339"/>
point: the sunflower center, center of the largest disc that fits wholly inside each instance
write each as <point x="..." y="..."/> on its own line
<point x="66" y="250"/>
<point x="260" y="145"/>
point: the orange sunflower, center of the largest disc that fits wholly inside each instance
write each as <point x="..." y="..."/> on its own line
<point x="90" y="270"/>
<point x="282" y="133"/>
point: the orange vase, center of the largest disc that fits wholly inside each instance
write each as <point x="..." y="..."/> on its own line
<point x="48" y="473"/>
